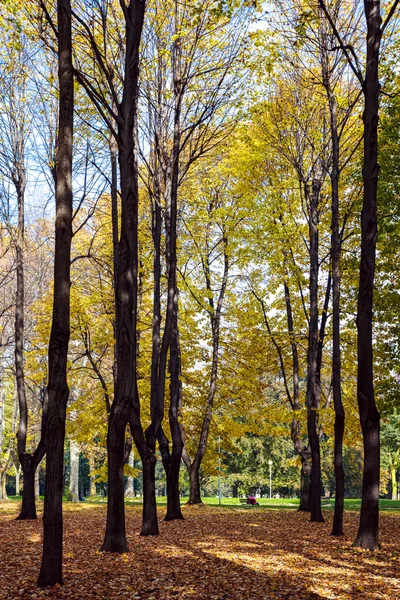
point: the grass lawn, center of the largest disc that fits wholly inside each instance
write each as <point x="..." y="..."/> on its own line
<point x="214" y="554"/>
<point x="273" y="504"/>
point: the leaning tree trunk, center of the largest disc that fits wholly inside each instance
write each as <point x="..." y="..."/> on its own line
<point x="368" y="533"/>
<point x="51" y="567"/>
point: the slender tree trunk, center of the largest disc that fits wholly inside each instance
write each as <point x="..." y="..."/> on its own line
<point x="327" y="72"/>
<point x="37" y="486"/>
<point x="173" y="496"/>
<point x="51" y="567"/>
<point x="337" y="528"/>
<point x="17" y="481"/>
<point x="129" y="489"/>
<point x="126" y="399"/>
<point x="3" y="490"/>
<point x="149" y="524"/>
<point x="74" y="473"/>
<point x="305" y="483"/>
<point x="313" y="389"/>
<point x="27" y="461"/>
<point x="93" y="491"/>
<point x="393" y="474"/>
<point x="368" y="533"/>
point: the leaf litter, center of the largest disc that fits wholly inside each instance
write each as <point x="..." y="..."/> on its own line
<point x="214" y="554"/>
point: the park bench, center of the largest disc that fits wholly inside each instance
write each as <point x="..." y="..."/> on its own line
<point x="243" y="502"/>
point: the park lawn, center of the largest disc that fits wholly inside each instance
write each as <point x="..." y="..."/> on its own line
<point x="271" y="504"/>
<point x="214" y="554"/>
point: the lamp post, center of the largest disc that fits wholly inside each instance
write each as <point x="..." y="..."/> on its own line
<point x="270" y="478"/>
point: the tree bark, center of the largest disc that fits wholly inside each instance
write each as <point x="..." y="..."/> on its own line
<point x="305" y="481"/>
<point x="337" y="528"/>
<point x="126" y="407"/>
<point x="368" y="533"/>
<point x="194" y="479"/>
<point x="58" y="391"/>
<point x="28" y="509"/>
<point x="313" y="389"/>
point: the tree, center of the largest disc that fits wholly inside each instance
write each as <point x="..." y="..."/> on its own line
<point x="58" y="391"/>
<point x="368" y="533"/>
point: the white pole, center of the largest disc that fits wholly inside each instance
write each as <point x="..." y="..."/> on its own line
<point x="219" y="470"/>
<point x="270" y="478"/>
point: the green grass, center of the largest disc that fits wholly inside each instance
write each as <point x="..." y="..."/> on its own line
<point x="271" y="504"/>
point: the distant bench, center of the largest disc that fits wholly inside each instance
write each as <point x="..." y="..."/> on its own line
<point x="244" y="502"/>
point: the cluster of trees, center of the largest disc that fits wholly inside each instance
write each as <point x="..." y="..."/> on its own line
<point x="210" y="283"/>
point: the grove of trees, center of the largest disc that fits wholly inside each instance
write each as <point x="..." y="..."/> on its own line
<point x="199" y="265"/>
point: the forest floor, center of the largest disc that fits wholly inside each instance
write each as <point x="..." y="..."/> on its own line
<point x="214" y="554"/>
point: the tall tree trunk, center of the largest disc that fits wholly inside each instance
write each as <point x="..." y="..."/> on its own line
<point x="126" y="405"/>
<point x="337" y="528"/>
<point x="301" y="449"/>
<point x="58" y="391"/>
<point x="368" y="533"/>
<point x="313" y="389"/>
<point x="327" y="74"/>
<point x="74" y="472"/>
<point x="27" y="460"/>
<point x="215" y="318"/>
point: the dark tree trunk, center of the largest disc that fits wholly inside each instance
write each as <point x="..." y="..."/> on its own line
<point x="313" y="389"/>
<point x="305" y="481"/>
<point x="337" y="528"/>
<point x="327" y="73"/>
<point x="51" y="568"/>
<point x="115" y="537"/>
<point x="149" y="523"/>
<point x="126" y="401"/>
<point x="368" y="533"/>
<point x="194" y="479"/>
<point x="28" y="509"/>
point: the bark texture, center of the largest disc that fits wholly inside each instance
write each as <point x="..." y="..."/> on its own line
<point x="51" y="567"/>
<point x="125" y="407"/>
<point x="313" y="387"/>
<point x="368" y="533"/>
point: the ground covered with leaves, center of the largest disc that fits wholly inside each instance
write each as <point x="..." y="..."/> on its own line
<point x="215" y="554"/>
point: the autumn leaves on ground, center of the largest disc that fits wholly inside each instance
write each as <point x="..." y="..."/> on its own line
<point x="214" y="554"/>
